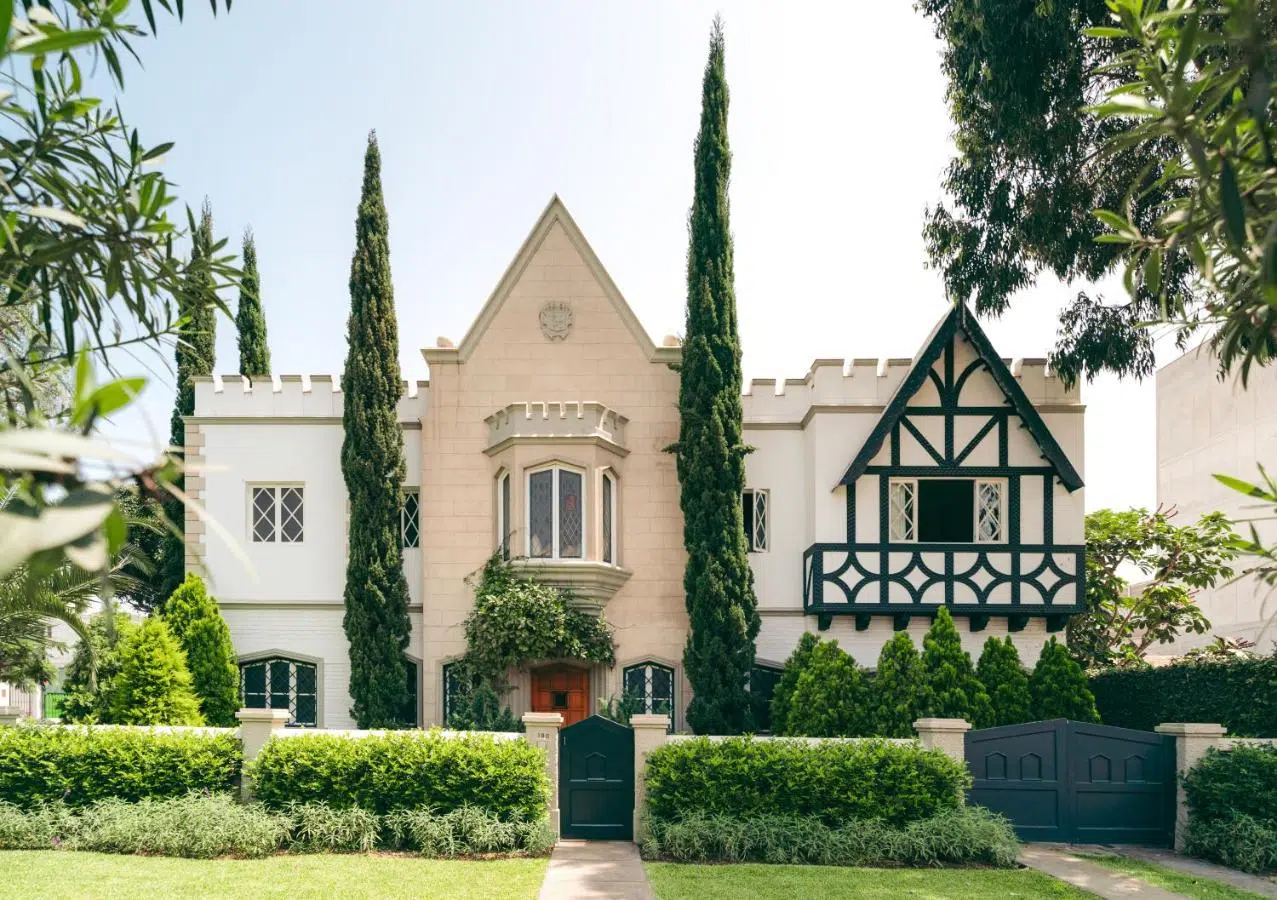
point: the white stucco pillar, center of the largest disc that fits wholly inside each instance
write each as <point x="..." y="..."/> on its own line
<point x="949" y="735"/>
<point x="1192" y="740"/>
<point x="255" y="728"/>
<point x="541" y="729"/>
<point x="650" y="732"/>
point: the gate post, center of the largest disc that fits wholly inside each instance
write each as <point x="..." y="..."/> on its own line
<point x="255" y="728"/>
<point x="949" y="735"/>
<point x="541" y="729"/>
<point x="1192" y="740"/>
<point x="650" y="732"/>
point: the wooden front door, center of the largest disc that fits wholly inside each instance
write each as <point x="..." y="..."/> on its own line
<point x="562" y="689"/>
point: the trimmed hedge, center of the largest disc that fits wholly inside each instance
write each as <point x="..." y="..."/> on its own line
<point x="1232" y="807"/>
<point x="405" y="770"/>
<point x="836" y="782"/>
<point x="43" y="764"/>
<point x="1241" y="694"/>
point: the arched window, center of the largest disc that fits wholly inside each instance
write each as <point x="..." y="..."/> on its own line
<point x="556" y="519"/>
<point x="503" y="514"/>
<point x="409" y="716"/>
<point x="652" y="686"/>
<point x="609" y="518"/>
<point x="280" y="683"/>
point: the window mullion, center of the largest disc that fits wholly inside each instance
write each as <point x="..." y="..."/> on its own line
<point x="554" y="515"/>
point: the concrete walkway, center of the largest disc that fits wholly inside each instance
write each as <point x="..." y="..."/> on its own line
<point x="1060" y="862"/>
<point x="585" y="870"/>
<point x="1197" y="868"/>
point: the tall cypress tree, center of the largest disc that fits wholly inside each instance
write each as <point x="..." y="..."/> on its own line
<point x="250" y="320"/>
<point x="195" y="354"/>
<point x="718" y="583"/>
<point x="372" y="461"/>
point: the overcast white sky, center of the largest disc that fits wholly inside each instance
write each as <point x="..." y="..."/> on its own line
<point x="484" y="109"/>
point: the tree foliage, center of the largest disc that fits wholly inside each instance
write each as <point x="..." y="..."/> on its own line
<point x="831" y="697"/>
<point x="195" y="621"/>
<point x="93" y="667"/>
<point x="899" y="688"/>
<point x="718" y="582"/>
<point x="1006" y="683"/>
<point x="953" y="690"/>
<point x="1059" y="687"/>
<point x="1072" y="106"/>
<point x="782" y="696"/>
<point x="1121" y="624"/>
<point x="153" y="685"/>
<point x="372" y="461"/>
<point x="250" y="318"/>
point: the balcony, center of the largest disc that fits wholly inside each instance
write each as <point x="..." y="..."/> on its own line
<point x="973" y="580"/>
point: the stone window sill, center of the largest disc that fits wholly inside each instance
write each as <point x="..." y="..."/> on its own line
<point x="592" y="583"/>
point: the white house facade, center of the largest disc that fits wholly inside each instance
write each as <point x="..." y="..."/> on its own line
<point x="1207" y="426"/>
<point x="878" y="491"/>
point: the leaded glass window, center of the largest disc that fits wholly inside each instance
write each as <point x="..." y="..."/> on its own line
<point x="903" y="510"/>
<point x="280" y="683"/>
<point x="556" y="514"/>
<point x="988" y="511"/>
<point x="608" y="489"/>
<point x="651" y="686"/>
<point x="754" y="506"/>
<point x="504" y="524"/>
<point x="456" y="691"/>
<point x="410" y="518"/>
<point x="277" y="514"/>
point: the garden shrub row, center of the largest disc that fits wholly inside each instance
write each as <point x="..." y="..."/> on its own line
<point x="1232" y="804"/>
<point x="835" y="782"/>
<point x="43" y="764"/>
<point x="1240" y="694"/>
<point x="215" y="825"/>
<point x="968" y="835"/>
<point x="404" y="771"/>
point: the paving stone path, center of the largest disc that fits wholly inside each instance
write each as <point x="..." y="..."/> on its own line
<point x="593" y="870"/>
<point x="1061" y="862"/>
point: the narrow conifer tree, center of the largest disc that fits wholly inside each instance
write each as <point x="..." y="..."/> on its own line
<point x="195" y="354"/>
<point x="718" y="583"/>
<point x="250" y="319"/>
<point x="830" y="699"/>
<point x="1006" y="683"/>
<point x="899" y="688"/>
<point x="372" y="461"/>
<point x="784" y="692"/>
<point x="1059" y="687"/>
<point x="953" y="690"/>
<point x="193" y="617"/>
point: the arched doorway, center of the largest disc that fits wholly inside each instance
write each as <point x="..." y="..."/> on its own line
<point x="562" y="689"/>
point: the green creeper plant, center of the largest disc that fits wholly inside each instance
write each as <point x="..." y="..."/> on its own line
<point x="953" y="690"/>
<point x="1059" y="687"/>
<point x="372" y="462"/>
<point x="784" y="692"/>
<point x="195" y="621"/>
<point x="898" y="691"/>
<point x="830" y="699"/>
<point x="153" y="685"/>
<point x="1006" y="683"/>
<point x="250" y="319"/>
<point x="718" y="583"/>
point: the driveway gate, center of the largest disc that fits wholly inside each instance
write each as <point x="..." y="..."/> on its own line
<point x="596" y="780"/>
<point x="1074" y="781"/>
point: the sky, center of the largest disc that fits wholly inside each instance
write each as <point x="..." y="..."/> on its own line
<point x="483" y="110"/>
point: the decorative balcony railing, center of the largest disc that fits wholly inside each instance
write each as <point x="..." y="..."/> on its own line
<point x="973" y="580"/>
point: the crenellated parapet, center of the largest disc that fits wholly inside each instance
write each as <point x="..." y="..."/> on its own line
<point x="556" y="420"/>
<point x="288" y="396"/>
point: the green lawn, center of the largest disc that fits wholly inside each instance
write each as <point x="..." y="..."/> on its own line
<point x="60" y="874"/>
<point x="674" y="881"/>
<point x="1173" y="880"/>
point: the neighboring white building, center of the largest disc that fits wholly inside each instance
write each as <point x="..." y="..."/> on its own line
<point x="878" y="491"/>
<point x="1207" y="426"/>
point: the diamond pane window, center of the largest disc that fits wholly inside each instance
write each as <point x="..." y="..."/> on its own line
<point x="754" y="507"/>
<point x="988" y="511"/>
<point x="903" y="510"/>
<point x="281" y="684"/>
<point x="290" y="515"/>
<point x="652" y="686"/>
<point x="570" y="514"/>
<point x="505" y="517"/>
<point x="410" y="518"/>
<point x="263" y="514"/>
<point x="541" y="514"/>
<point x="608" y="488"/>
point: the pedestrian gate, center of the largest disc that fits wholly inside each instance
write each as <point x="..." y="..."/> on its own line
<point x="596" y="780"/>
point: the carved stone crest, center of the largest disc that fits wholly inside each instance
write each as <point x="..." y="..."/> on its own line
<point x="556" y="320"/>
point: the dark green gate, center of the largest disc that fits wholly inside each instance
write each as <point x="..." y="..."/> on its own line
<point x="596" y="780"/>
<point x="1076" y="782"/>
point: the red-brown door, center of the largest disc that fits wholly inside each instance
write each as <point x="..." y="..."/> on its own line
<point x="562" y="689"/>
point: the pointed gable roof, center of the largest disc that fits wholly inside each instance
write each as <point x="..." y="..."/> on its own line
<point x="554" y="212"/>
<point x="960" y="320"/>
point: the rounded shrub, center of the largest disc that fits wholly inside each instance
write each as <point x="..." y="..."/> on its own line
<point x="898" y="691"/>
<point x="830" y="698"/>
<point x="192" y="615"/>
<point x="1006" y="683"/>
<point x="153" y="686"/>
<point x="789" y="681"/>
